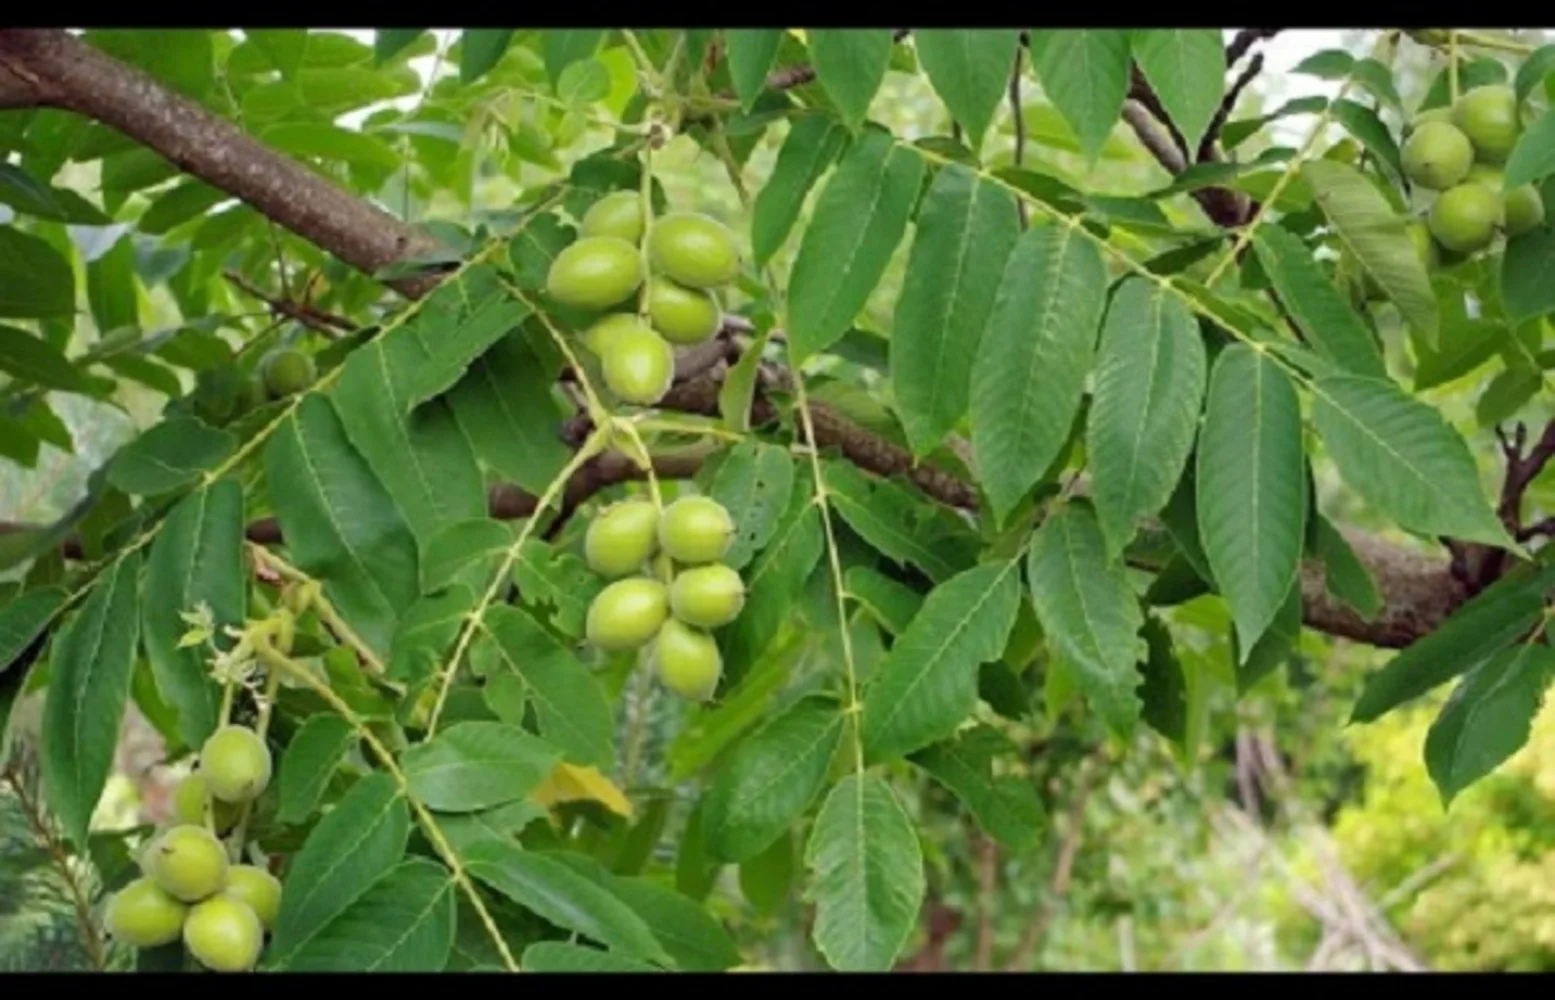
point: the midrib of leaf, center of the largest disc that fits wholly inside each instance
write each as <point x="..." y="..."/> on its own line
<point x="414" y="926"/>
<point x="909" y="542"/>
<point x="334" y="522"/>
<point x="1257" y="464"/>
<point x="207" y="691"/>
<point x="1044" y="323"/>
<point x="100" y="628"/>
<point x="401" y="427"/>
<point x="1079" y="589"/>
<point x="951" y="637"/>
<point x="1458" y="744"/>
<point x="874" y="202"/>
<point x="1157" y="303"/>
<point x="956" y="287"/>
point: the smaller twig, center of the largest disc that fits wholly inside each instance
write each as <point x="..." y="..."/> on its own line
<point x="988" y="853"/>
<point x="1246" y="39"/>
<point x="311" y="317"/>
<point x="1063" y="870"/>
<point x="1227" y="105"/>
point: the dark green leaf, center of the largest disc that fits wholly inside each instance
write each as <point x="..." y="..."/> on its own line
<point x="169" y="455"/>
<point x="310" y="760"/>
<point x="1488" y="718"/>
<point x="23" y="619"/>
<point x="850" y="64"/>
<point x="480" y="49"/>
<point x="1317" y="306"/>
<point x="969" y="69"/>
<point x="403" y="923"/>
<point x="35" y="281"/>
<point x="1085" y="74"/>
<point x="1345" y="576"/>
<point x="389" y="41"/>
<point x="750" y="55"/>
<point x="568" y="699"/>
<point x="812" y="145"/>
<point x="694" y="938"/>
<point x="558" y="956"/>
<point x="898" y="521"/>
<point x="1005" y="806"/>
<point x="753" y="482"/>
<point x="564" y="46"/>
<point x="29" y="358"/>
<point x="477" y="765"/>
<point x="1186" y="67"/>
<point x="1528" y="272"/>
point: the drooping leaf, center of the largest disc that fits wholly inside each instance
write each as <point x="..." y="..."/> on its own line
<point x="1377" y="236"/>
<point x="1493" y="619"/>
<point x="1150" y="382"/>
<point x="811" y="147"/>
<point x="1526" y="288"/>
<point x="1186" y="67"/>
<point x="771" y="779"/>
<point x="35" y="281"/>
<point x="1090" y="613"/>
<point x="774" y="580"/>
<point x="1251" y="487"/>
<point x="387" y="42"/>
<point x="1344" y="575"/>
<point x="927" y="684"/>
<point x="556" y="586"/>
<point x="554" y="891"/>
<point x="480" y="49"/>
<point x="966" y="228"/>
<point x="1402" y="457"/>
<point x="894" y="604"/>
<point x="564" y="46"/>
<point x="1317" y="306"/>
<point x="694" y="938"/>
<point x="169" y="455"/>
<point x="850" y="64"/>
<point x="90" y="667"/>
<point x="969" y="69"/>
<point x="196" y="560"/>
<point x="750" y="52"/>
<point x="1273" y="647"/>
<point x="404" y="922"/>
<point x="1085" y="74"/>
<point x="573" y="713"/>
<point x="505" y="405"/>
<point x="476" y="765"/>
<point x="460" y="321"/>
<point x="29" y="358"/>
<point x="898" y="521"/>
<point x="341" y="527"/>
<point x="1006" y="806"/>
<point x="1533" y="158"/>
<point x="1489" y="717"/>
<point x="358" y="842"/>
<point x="866" y="876"/>
<point x="1031" y="365"/>
<point x="309" y="761"/>
<point x="23" y="619"/>
<point x="858" y="221"/>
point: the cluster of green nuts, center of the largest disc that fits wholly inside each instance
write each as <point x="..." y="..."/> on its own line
<point x="693" y="593"/>
<point x="1458" y="152"/>
<point x="189" y="889"/>
<point x="688" y="257"/>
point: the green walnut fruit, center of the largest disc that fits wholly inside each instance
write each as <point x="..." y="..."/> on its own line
<point x="707" y="596"/>
<point x="696" y="530"/>
<point x="1522" y="210"/>
<point x="598" y="337"/>
<point x="1464" y="218"/>
<point x="619" y="215"/>
<point x="687" y="661"/>
<point x="627" y="614"/>
<point x="1488" y="116"/>
<point x="258" y="888"/>
<point x="224" y="934"/>
<point x="1425" y="247"/>
<point x="639" y="366"/>
<point x="696" y="251"/>
<point x="143" y="915"/>
<point x="682" y="315"/>
<point x="188" y="862"/>
<point x="622" y="538"/>
<point x="236" y="764"/>
<point x="1437" y="156"/>
<point x="1443" y="114"/>
<point x="596" y="272"/>
<point x="190" y="799"/>
<point x="285" y="371"/>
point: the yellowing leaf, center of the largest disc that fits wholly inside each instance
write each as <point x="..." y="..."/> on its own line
<point x="570" y="783"/>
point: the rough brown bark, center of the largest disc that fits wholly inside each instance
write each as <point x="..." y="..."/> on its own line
<point x="52" y="68"/>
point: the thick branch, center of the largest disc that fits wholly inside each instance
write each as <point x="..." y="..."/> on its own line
<point x="62" y="71"/>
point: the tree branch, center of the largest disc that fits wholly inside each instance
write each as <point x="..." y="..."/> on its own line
<point x="1246" y="39"/>
<point x="61" y="71"/>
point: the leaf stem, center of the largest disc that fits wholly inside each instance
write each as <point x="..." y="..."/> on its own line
<point x="327" y="611"/>
<point x="1452" y="66"/>
<point x="434" y="833"/>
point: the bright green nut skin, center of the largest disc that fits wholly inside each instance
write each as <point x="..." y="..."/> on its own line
<point x="285" y="371"/>
<point x="596" y="272"/>
<point x="1437" y="156"/>
<point x="707" y="596"/>
<point x="627" y="614"/>
<point x="621" y="538"/>
<point x="1464" y="218"/>
<point x="639" y="365"/>
<point x="259" y="889"/>
<point x="236" y="764"/>
<point x="694" y="250"/>
<point x="598" y="336"/>
<point x="143" y="915"/>
<point x="619" y="215"/>
<point x="190" y="798"/>
<point x="687" y="661"/>
<point x="1488" y="116"/>
<point x="1491" y="177"/>
<point x="1443" y="114"/>
<point x="188" y="862"/>
<point x="682" y="315"/>
<point x="1524" y="210"/>
<point x="695" y="530"/>
<point x="224" y="934"/>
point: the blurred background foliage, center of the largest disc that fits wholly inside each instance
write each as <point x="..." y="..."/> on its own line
<point x="1291" y="840"/>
